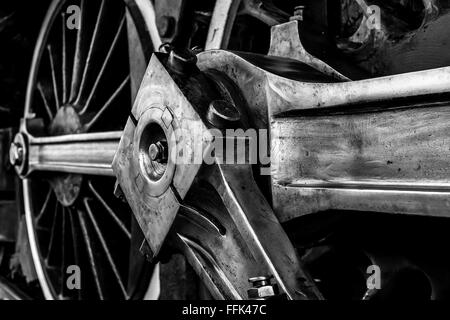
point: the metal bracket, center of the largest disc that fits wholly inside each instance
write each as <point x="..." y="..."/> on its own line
<point x="154" y="191"/>
<point x="286" y="42"/>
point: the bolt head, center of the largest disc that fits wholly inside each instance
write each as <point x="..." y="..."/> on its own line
<point x="260" y="281"/>
<point x="182" y="61"/>
<point x="153" y="151"/>
<point x="15" y="154"/>
<point x="158" y="151"/>
<point x="262" y="292"/>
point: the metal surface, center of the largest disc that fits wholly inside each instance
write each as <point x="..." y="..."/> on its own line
<point x="286" y="42"/>
<point x="89" y="153"/>
<point x="398" y="45"/>
<point x="224" y="16"/>
<point x="262" y="288"/>
<point x="221" y="24"/>
<point x="283" y="104"/>
<point x="391" y="161"/>
<point x="70" y="215"/>
<point x="265" y="11"/>
<point x="155" y="202"/>
<point x="310" y="90"/>
<point x="298" y="109"/>
<point x="147" y="191"/>
<point x="15" y="154"/>
<point x="368" y="150"/>
<point x="338" y="148"/>
<point x="261" y="230"/>
<point x="222" y="114"/>
<point x="147" y="10"/>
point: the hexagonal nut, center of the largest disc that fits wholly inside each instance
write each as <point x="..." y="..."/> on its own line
<point x="262" y="292"/>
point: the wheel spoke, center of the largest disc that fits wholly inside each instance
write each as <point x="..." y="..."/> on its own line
<point x="93" y="45"/>
<point x="105" y="63"/>
<point x="105" y="248"/>
<point x="90" y="252"/>
<point x="53" y="244"/>
<point x="222" y="23"/>
<point x="54" y="80"/>
<point x="45" y="220"/>
<point x="110" y="211"/>
<point x="63" y="251"/>
<point x="79" y="59"/>
<point x="44" y="101"/>
<point x="108" y="103"/>
<point x="65" y="76"/>
<point x="68" y="253"/>
<point x="75" y="247"/>
<point x="45" y="205"/>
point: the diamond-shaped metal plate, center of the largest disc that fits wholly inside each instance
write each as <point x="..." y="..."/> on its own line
<point x="155" y="203"/>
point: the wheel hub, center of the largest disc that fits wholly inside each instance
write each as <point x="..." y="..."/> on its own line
<point x="155" y="163"/>
<point x="153" y="152"/>
<point x="66" y="121"/>
<point x="18" y="154"/>
<point x="66" y="187"/>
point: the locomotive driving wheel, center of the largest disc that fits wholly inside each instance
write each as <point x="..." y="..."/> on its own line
<point x="81" y="83"/>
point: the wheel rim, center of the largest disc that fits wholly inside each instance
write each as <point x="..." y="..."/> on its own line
<point x="79" y="83"/>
